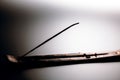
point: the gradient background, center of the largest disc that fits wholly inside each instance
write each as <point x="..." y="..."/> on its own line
<point x="27" y="23"/>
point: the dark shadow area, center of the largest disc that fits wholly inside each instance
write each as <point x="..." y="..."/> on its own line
<point x="13" y="18"/>
<point x="15" y="26"/>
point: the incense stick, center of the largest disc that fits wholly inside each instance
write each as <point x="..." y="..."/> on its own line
<point x="49" y="39"/>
